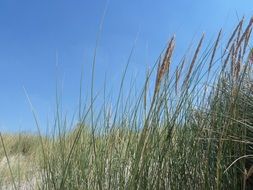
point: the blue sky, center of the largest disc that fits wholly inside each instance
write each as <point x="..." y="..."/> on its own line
<point x="42" y="41"/>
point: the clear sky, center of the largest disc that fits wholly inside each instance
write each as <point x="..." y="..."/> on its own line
<point x="41" y="41"/>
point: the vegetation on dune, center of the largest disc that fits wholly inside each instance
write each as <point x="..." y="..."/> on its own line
<point x="194" y="133"/>
<point x="18" y="158"/>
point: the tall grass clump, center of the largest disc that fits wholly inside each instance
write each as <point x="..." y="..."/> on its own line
<point x="192" y="130"/>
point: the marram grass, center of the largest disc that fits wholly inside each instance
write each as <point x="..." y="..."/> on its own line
<point x="194" y="133"/>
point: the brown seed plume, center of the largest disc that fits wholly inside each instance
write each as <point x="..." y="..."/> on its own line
<point x="194" y="60"/>
<point x="178" y="74"/>
<point x="214" y="51"/>
<point x="164" y="67"/>
<point x="233" y="34"/>
<point x="245" y="34"/>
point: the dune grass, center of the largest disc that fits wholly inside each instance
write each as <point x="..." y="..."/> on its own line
<point x="19" y="156"/>
<point x="193" y="132"/>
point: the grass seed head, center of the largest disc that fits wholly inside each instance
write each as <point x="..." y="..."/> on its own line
<point x="164" y="67"/>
